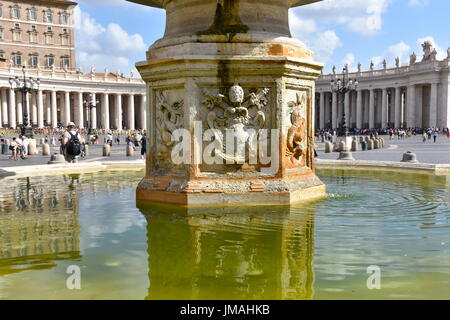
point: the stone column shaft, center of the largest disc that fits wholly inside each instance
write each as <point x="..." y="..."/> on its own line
<point x="371" y="108"/>
<point x="54" y="110"/>
<point x="130" y="113"/>
<point x="322" y="111"/>
<point x="4" y="107"/>
<point x="397" y="107"/>
<point x="12" y="109"/>
<point x="79" y="117"/>
<point x="66" y="108"/>
<point x="105" y="111"/>
<point x="334" y="111"/>
<point x="359" y="109"/>
<point x="40" y="109"/>
<point x="118" y="112"/>
<point x="411" y="106"/>
<point x="433" y="105"/>
<point x="384" y="108"/>
<point x="144" y="112"/>
<point x="94" y="112"/>
<point x="34" y="109"/>
<point x="347" y="108"/>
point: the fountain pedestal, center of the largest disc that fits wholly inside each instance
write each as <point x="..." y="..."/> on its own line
<point x="224" y="67"/>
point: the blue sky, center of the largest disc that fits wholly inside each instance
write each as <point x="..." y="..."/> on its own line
<point x="115" y="34"/>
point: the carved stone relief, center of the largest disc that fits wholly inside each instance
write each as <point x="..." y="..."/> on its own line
<point x="297" y="136"/>
<point x="243" y="111"/>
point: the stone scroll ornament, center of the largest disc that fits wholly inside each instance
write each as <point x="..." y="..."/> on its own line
<point x="243" y="113"/>
<point x="169" y="117"/>
<point x="297" y="134"/>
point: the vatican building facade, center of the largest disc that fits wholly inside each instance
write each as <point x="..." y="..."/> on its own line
<point x="411" y="96"/>
<point x="37" y="40"/>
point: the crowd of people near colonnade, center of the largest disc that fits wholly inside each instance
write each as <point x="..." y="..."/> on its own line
<point x="18" y="145"/>
<point x="393" y="133"/>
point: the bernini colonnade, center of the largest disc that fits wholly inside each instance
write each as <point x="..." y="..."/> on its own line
<point x="416" y="95"/>
<point x="120" y="101"/>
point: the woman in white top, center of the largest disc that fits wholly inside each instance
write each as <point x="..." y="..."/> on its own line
<point x="13" y="147"/>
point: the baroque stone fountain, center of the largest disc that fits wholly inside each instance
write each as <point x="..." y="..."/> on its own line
<point x="230" y="104"/>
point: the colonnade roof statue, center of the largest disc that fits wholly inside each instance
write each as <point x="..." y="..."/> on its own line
<point x="230" y="66"/>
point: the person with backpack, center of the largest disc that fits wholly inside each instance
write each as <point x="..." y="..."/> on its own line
<point x="71" y="143"/>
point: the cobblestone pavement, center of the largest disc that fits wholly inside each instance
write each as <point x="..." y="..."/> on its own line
<point x="428" y="152"/>
<point x="118" y="153"/>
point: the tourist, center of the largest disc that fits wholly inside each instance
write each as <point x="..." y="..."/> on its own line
<point x="143" y="146"/>
<point x="435" y="135"/>
<point x="71" y="143"/>
<point x="13" y="147"/>
<point x="424" y="135"/>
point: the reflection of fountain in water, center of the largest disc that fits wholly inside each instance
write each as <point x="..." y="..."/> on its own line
<point x="231" y="255"/>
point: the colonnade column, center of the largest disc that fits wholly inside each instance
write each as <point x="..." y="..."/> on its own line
<point x="4" y="107"/>
<point x="371" y="108"/>
<point x="359" y="109"/>
<point x="118" y="112"/>
<point x="12" y="109"/>
<point x="322" y="110"/>
<point x="433" y="105"/>
<point x="19" y="109"/>
<point x="384" y="108"/>
<point x="144" y="112"/>
<point x="54" y="110"/>
<point x="105" y="111"/>
<point x="410" y="106"/>
<point x="40" y="109"/>
<point x="34" y="109"/>
<point x="48" y="102"/>
<point x="130" y="113"/>
<point x="334" y="111"/>
<point x="78" y="115"/>
<point x="94" y="111"/>
<point x="66" y="108"/>
<point x="398" y="106"/>
<point x="347" y="108"/>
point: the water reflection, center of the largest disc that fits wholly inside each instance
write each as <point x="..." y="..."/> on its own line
<point x="38" y="224"/>
<point x="250" y="255"/>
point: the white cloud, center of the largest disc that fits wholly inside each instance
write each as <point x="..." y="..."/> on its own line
<point x="401" y="50"/>
<point x="364" y="17"/>
<point x="350" y="60"/>
<point x="106" y="46"/>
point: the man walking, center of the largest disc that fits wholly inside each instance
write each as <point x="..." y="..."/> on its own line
<point x="71" y="143"/>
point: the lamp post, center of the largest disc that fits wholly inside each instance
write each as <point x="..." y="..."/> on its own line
<point x="90" y="104"/>
<point x="342" y="86"/>
<point x="25" y="86"/>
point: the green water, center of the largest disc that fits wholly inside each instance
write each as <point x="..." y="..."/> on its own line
<point x="320" y="250"/>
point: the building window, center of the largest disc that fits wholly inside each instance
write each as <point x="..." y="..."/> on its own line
<point x="65" y="40"/>
<point x="1" y="33"/>
<point x="64" y="18"/>
<point x="49" y="38"/>
<point x="17" y="32"/>
<point x="32" y="14"/>
<point x="15" y="12"/>
<point x="48" y="16"/>
<point x="2" y="54"/>
<point x="34" y="60"/>
<point x="65" y="62"/>
<point x="33" y="35"/>
<point x="17" y="58"/>
<point x="50" y="61"/>
<point x="1" y="10"/>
